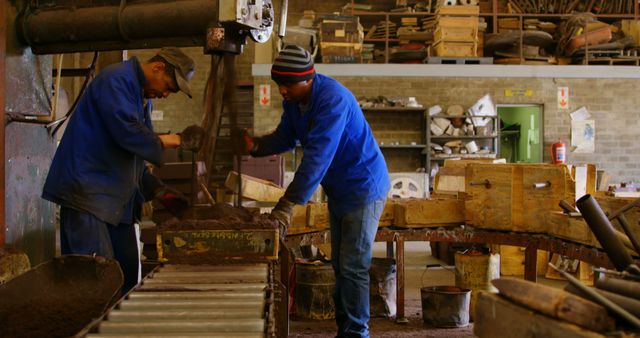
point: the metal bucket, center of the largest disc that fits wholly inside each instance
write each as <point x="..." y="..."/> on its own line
<point x="382" y="287"/>
<point x="314" y="291"/>
<point x="445" y="306"/>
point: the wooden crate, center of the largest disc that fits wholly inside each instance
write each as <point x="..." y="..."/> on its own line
<point x="455" y="49"/>
<point x="457" y="22"/>
<point x="254" y="188"/>
<point x="510" y="202"/>
<point x="456" y="34"/>
<point x="458" y="10"/>
<point x="432" y="212"/>
<point x="572" y="228"/>
<point x="512" y="261"/>
<point x="584" y="272"/>
<point x="450" y="178"/>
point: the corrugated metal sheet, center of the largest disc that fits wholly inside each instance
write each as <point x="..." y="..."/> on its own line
<point x="30" y="219"/>
<point x="28" y="150"/>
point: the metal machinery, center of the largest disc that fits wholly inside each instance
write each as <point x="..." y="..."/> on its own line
<point x="218" y="281"/>
<point x="63" y="26"/>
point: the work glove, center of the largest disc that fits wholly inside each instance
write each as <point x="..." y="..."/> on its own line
<point x="242" y="142"/>
<point x="282" y="214"/>
<point x="192" y="137"/>
<point x="173" y="200"/>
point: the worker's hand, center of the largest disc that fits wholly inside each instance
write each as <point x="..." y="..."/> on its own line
<point x="242" y="142"/>
<point x="282" y="214"/>
<point x="170" y="140"/>
<point x="192" y="138"/>
<point x="173" y="200"/>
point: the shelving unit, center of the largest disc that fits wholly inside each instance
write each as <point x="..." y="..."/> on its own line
<point x="491" y="12"/>
<point x="401" y="135"/>
<point x="492" y="141"/>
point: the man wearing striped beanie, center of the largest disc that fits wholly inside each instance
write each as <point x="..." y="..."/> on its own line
<point x="340" y="153"/>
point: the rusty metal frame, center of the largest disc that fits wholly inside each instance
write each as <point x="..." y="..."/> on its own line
<point x="3" y="46"/>
<point x="466" y="234"/>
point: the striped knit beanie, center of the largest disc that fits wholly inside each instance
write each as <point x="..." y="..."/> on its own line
<point x="293" y="64"/>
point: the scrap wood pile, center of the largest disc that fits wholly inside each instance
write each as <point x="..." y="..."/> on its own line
<point x="581" y="39"/>
<point x="570" y="6"/>
<point x="578" y="310"/>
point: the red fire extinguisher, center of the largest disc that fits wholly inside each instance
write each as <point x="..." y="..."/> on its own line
<point x="558" y="153"/>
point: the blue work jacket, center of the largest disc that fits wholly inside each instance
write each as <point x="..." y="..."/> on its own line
<point x="339" y="150"/>
<point x="100" y="161"/>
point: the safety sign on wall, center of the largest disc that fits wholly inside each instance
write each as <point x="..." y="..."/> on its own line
<point x="563" y="97"/>
<point x="265" y="94"/>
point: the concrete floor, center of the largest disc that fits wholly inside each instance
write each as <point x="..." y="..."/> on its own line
<point x="417" y="257"/>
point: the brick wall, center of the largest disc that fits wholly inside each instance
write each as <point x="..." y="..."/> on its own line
<point x="180" y="111"/>
<point x="612" y="103"/>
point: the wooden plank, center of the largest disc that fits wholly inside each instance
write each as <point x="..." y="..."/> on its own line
<point x="254" y="188"/>
<point x="317" y="215"/>
<point x="498" y="317"/>
<point x="555" y="303"/>
<point x="422" y="213"/>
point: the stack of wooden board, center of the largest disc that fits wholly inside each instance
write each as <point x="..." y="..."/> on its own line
<point x="341" y="39"/>
<point x="456" y="33"/>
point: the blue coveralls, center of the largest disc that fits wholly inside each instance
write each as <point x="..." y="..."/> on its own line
<point x="340" y="153"/>
<point x="98" y="170"/>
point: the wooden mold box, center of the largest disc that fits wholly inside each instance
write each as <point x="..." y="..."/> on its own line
<point x="432" y="212"/>
<point x="388" y="213"/>
<point x="503" y="197"/>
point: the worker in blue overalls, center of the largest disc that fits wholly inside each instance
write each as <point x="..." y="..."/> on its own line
<point x="98" y="175"/>
<point x="339" y="152"/>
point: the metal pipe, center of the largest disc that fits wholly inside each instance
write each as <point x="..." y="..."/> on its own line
<point x="623" y="274"/>
<point x="629" y="304"/>
<point x="619" y="286"/>
<point x="604" y="232"/>
<point x="541" y="185"/>
<point x="138" y="25"/>
<point x="611" y="306"/>
<point x="284" y="9"/>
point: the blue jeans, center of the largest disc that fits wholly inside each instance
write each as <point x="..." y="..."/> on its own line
<point x="352" y="236"/>
<point x="84" y="234"/>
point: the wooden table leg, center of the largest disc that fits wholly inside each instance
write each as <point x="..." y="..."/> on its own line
<point x="531" y="263"/>
<point x="400" y="318"/>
